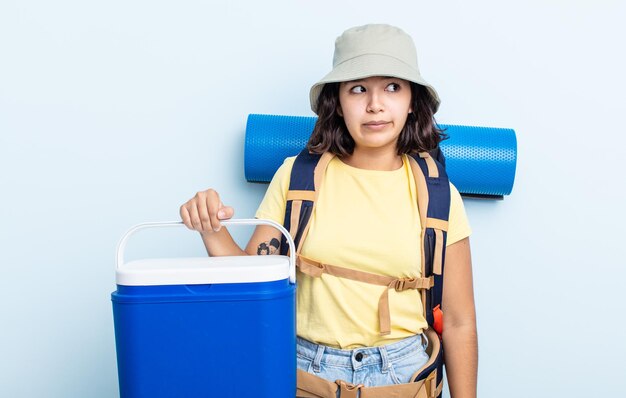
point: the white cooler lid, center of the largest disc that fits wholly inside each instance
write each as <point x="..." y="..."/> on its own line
<point x="203" y="270"/>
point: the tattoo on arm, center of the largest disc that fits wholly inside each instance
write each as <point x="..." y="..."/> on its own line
<point x="270" y="247"/>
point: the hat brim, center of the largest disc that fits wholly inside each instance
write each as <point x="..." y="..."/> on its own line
<point x="369" y="65"/>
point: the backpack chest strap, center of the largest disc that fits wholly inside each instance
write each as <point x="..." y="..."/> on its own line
<point x="315" y="269"/>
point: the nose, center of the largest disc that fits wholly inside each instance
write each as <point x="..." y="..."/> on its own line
<point x="374" y="104"/>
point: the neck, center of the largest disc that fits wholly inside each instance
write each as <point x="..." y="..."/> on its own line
<point x="374" y="159"/>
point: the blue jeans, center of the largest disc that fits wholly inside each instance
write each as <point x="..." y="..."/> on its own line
<point x="371" y="366"/>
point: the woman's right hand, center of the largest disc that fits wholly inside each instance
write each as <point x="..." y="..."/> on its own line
<point x="204" y="211"/>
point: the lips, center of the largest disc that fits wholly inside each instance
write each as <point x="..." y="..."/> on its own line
<point x="376" y="123"/>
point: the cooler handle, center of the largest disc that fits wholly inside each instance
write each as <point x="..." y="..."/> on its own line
<point x="121" y="246"/>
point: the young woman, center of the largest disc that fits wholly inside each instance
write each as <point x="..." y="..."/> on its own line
<point x="374" y="110"/>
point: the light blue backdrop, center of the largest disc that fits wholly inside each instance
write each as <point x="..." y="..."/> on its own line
<point x="114" y="113"/>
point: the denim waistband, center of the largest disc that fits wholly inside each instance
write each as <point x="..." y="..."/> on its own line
<point x="358" y="357"/>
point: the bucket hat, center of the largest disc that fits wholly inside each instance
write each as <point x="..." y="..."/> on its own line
<point x="373" y="50"/>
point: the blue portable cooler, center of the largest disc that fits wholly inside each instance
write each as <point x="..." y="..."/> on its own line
<point x="206" y="327"/>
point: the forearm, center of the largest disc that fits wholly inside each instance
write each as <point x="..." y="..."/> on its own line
<point x="221" y="243"/>
<point x="461" y="356"/>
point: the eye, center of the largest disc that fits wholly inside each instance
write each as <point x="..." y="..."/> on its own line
<point x="393" y="87"/>
<point x="357" y="89"/>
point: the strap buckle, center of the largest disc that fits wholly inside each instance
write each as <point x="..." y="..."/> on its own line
<point x="404" y="284"/>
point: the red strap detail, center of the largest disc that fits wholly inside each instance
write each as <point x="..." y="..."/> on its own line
<point x="438" y="319"/>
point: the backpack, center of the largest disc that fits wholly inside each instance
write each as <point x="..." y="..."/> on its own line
<point x="433" y="191"/>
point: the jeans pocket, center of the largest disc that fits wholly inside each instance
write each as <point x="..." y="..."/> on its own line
<point x="402" y="369"/>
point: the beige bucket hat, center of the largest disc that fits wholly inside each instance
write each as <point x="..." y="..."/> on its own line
<point x="373" y="50"/>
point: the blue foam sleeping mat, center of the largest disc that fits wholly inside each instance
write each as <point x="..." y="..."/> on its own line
<point x="480" y="161"/>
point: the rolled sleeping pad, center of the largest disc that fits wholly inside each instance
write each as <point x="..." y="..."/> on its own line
<point x="480" y="161"/>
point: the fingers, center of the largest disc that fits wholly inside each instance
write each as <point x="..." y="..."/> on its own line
<point x="213" y="205"/>
<point x="225" y="212"/>
<point x="184" y="215"/>
<point x="194" y="214"/>
<point x="204" y="211"/>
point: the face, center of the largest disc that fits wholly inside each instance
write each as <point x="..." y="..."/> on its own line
<point x="375" y="110"/>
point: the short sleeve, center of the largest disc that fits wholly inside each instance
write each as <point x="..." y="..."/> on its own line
<point x="273" y="205"/>
<point x="458" y="225"/>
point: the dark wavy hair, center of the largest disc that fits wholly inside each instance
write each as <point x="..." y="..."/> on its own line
<point x="419" y="134"/>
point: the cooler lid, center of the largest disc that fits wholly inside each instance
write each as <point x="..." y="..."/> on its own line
<point x="203" y="270"/>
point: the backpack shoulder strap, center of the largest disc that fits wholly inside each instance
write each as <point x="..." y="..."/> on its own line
<point x="433" y="198"/>
<point x="306" y="177"/>
<point x="433" y="202"/>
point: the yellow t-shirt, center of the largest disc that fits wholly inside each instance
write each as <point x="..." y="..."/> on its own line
<point x="365" y="220"/>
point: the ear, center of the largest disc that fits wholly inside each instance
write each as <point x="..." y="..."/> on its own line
<point x="339" y="110"/>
